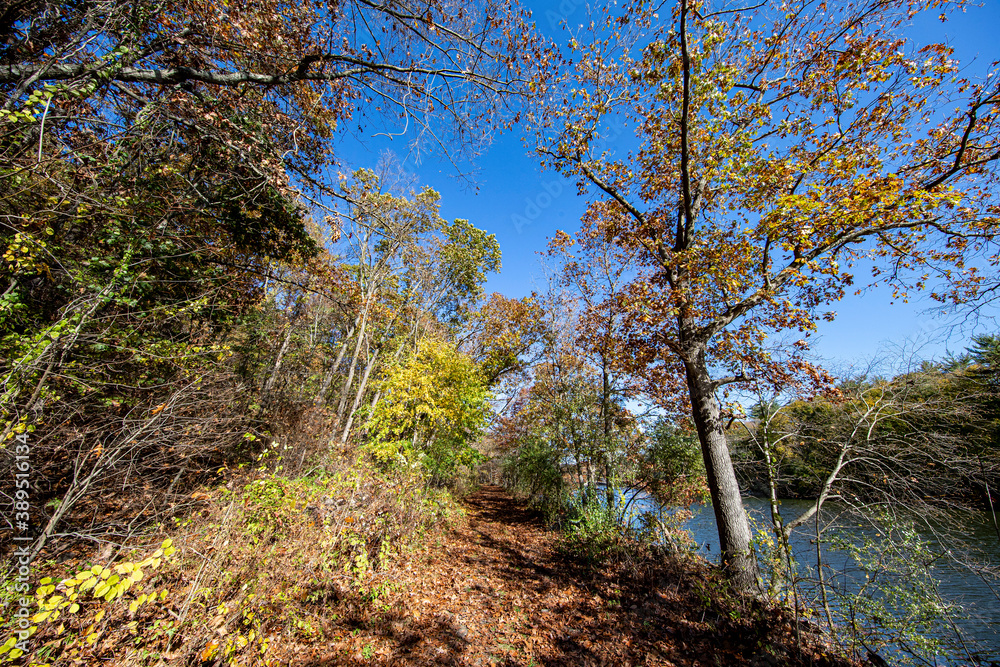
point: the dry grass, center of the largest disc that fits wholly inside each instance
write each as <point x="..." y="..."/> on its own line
<point x="351" y="566"/>
<point x="265" y="559"/>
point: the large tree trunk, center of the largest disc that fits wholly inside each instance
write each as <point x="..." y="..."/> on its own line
<point x="734" y="529"/>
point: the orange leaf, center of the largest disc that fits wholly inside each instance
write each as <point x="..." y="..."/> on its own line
<point x="209" y="651"/>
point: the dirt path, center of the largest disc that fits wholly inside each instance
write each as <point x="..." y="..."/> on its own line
<point x="494" y="591"/>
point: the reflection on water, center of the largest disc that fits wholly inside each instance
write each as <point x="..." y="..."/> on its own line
<point x="980" y="598"/>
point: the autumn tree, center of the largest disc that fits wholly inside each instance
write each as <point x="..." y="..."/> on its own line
<point x="434" y="406"/>
<point x="774" y="149"/>
<point x="503" y="336"/>
<point x="570" y="417"/>
<point x="415" y="275"/>
<point x="596" y="272"/>
<point x="310" y="65"/>
<point x="163" y="166"/>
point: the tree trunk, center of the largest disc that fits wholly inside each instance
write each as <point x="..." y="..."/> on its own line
<point x="783" y="574"/>
<point x="589" y="486"/>
<point x="277" y="364"/>
<point x="581" y="479"/>
<point x="333" y="369"/>
<point x="327" y="380"/>
<point x="591" y="481"/>
<point x="375" y="400"/>
<point x="359" y="395"/>
<point x="730" y="517"/>
<point x="609" y="489"/>
<point x="362" y="329"/>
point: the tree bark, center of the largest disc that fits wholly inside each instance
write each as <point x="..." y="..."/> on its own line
<point x="359" y="395"/>
<point x="362" y="330"/>
<point x="328" y="380"/>
<point x="277" y="364"/>
<point x="609" y="489"/>
<point x="375" y="400"/>
<point x="783" y="575"/>
<point x="730" y="516"/>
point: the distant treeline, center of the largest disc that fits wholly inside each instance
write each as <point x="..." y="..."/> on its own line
<point x="931" y="433"/>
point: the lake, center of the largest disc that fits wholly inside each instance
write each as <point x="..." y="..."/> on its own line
<point x="980" y="624"/>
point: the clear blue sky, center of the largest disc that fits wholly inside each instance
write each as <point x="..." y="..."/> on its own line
<point x="524" y="206"/>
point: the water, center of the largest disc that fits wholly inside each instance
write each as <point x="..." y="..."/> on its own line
<point x="980" y="624"/>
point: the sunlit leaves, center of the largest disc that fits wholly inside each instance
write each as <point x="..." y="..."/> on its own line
<point x="103" y="585"/>
<point x="812" y="144"/>
<point x="434" y="406"/>
<point x="503" y="333"/>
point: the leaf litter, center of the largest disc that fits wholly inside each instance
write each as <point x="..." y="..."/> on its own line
<point x="496" y="589"/>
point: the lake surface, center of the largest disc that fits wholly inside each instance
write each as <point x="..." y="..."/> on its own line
<point x="980" y="598"/>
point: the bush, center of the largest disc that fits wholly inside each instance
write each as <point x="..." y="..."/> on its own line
<point x="255" y="561"/>
<point x="532" y="470"/>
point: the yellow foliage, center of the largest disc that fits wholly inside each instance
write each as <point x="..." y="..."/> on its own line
<point x="106" y="584"/>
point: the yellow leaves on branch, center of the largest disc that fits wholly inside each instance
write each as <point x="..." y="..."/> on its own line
<point x="104" y="584"/>
<point x="435" y="390"/>
<point x="107" y="583"/>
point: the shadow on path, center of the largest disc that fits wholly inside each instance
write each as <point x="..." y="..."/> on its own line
<point x="497" y="591"/>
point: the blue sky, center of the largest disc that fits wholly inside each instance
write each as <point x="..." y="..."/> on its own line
<point x="524" y="206"/>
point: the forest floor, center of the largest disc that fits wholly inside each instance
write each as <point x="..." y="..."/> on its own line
<point x="495" y="589"/>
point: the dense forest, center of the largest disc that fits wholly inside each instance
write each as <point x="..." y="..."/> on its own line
<point x="219" y="337"/>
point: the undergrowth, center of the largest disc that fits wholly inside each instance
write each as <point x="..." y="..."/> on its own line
<point x="265" y="558"/>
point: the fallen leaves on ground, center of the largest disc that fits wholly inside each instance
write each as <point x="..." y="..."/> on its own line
<point x="496" y="590"/>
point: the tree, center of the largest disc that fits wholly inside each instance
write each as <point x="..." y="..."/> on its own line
<point x="434" y="406"/>
<point x="383" y="233"/>
<point x="439" y="67"/>
<point x="775" y="148"/>
<point x="502" y="336"/>
<point x="416" y="275"/>
<point x="163" y="165"/>
<point x="571" y="416"/>
<point x="893" y="451"/>
<point x="595" y="271"/>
